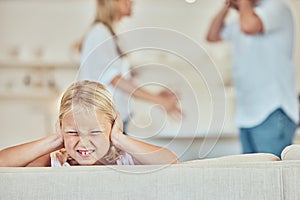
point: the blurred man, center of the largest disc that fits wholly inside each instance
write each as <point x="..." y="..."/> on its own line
<point x="262" y="38"/>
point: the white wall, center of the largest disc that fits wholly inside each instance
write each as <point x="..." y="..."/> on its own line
<point x="50" y="26"/>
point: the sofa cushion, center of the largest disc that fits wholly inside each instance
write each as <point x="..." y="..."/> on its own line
<point x="291" y="152"/>
<point x="256" y="157"/>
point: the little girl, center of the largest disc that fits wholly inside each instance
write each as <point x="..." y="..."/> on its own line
<point x="89" y="132"/>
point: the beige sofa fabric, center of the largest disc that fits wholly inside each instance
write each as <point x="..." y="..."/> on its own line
<point x="238" y="158"/>
<point x="291" y="180"/>
<point x="239" y="177"/>
<point x="143" y="182"/>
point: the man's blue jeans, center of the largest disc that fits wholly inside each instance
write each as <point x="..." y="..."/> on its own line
<point x="271" y="136"/>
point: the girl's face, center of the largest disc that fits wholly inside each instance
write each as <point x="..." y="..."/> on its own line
<point x="86" y="136"/>
<point x="124" y="7"/>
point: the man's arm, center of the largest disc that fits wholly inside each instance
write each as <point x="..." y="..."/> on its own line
<point x="250" y="23"/>
<point x="216" y="26"/>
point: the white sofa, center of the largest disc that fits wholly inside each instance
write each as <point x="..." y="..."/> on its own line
<point x="253" y="177"/>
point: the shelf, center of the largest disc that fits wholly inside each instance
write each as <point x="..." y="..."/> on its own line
<point x="74" y="65"/>
<point x="29" y="96"/>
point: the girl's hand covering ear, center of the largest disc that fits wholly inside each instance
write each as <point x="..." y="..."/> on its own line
<point x="58" y="132"/>
<point x="117" y="130"/>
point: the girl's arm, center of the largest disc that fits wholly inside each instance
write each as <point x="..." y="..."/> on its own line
<point x="142" y="153"/>
<point x="34" y="153"/>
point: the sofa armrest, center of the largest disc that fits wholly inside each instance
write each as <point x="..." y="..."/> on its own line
<point x="291" y="152"/>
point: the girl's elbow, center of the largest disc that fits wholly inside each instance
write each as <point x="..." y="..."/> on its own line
<point x="176" y="161"/>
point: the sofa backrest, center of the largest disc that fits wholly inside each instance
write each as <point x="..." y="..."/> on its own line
<point x="257" y="157"/>
<point x="261" y="180"/>
<point x="253" y="176"/>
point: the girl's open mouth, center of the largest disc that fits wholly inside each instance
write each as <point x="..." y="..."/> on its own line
<point x="85" y="153"/>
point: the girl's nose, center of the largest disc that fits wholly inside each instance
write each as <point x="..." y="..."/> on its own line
<point x="84" y="139"/>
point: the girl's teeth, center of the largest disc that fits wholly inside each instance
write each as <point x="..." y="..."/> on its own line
<point x="85" y="152"/>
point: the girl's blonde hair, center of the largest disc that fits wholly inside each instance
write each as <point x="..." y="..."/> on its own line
<point x="91" y="96"/>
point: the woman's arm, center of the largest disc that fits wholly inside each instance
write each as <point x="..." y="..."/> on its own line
<point x="216" y="26"/>
<point x="168" y="102"/>
<point x="34" y="153"/>
<point x="142" y="153"/>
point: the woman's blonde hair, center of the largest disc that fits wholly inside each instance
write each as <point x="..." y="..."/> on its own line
<point x="106" y="13"/>
<point x="91" y="96"/>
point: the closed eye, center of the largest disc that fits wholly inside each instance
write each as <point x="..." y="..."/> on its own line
<point x="72" y="132"/>
<point x="97" y="132"/>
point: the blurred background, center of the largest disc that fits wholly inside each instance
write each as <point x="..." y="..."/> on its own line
<point x="38" y="61"/>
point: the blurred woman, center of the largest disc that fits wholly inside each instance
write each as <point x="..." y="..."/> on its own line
<point x="104" y="61"/>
